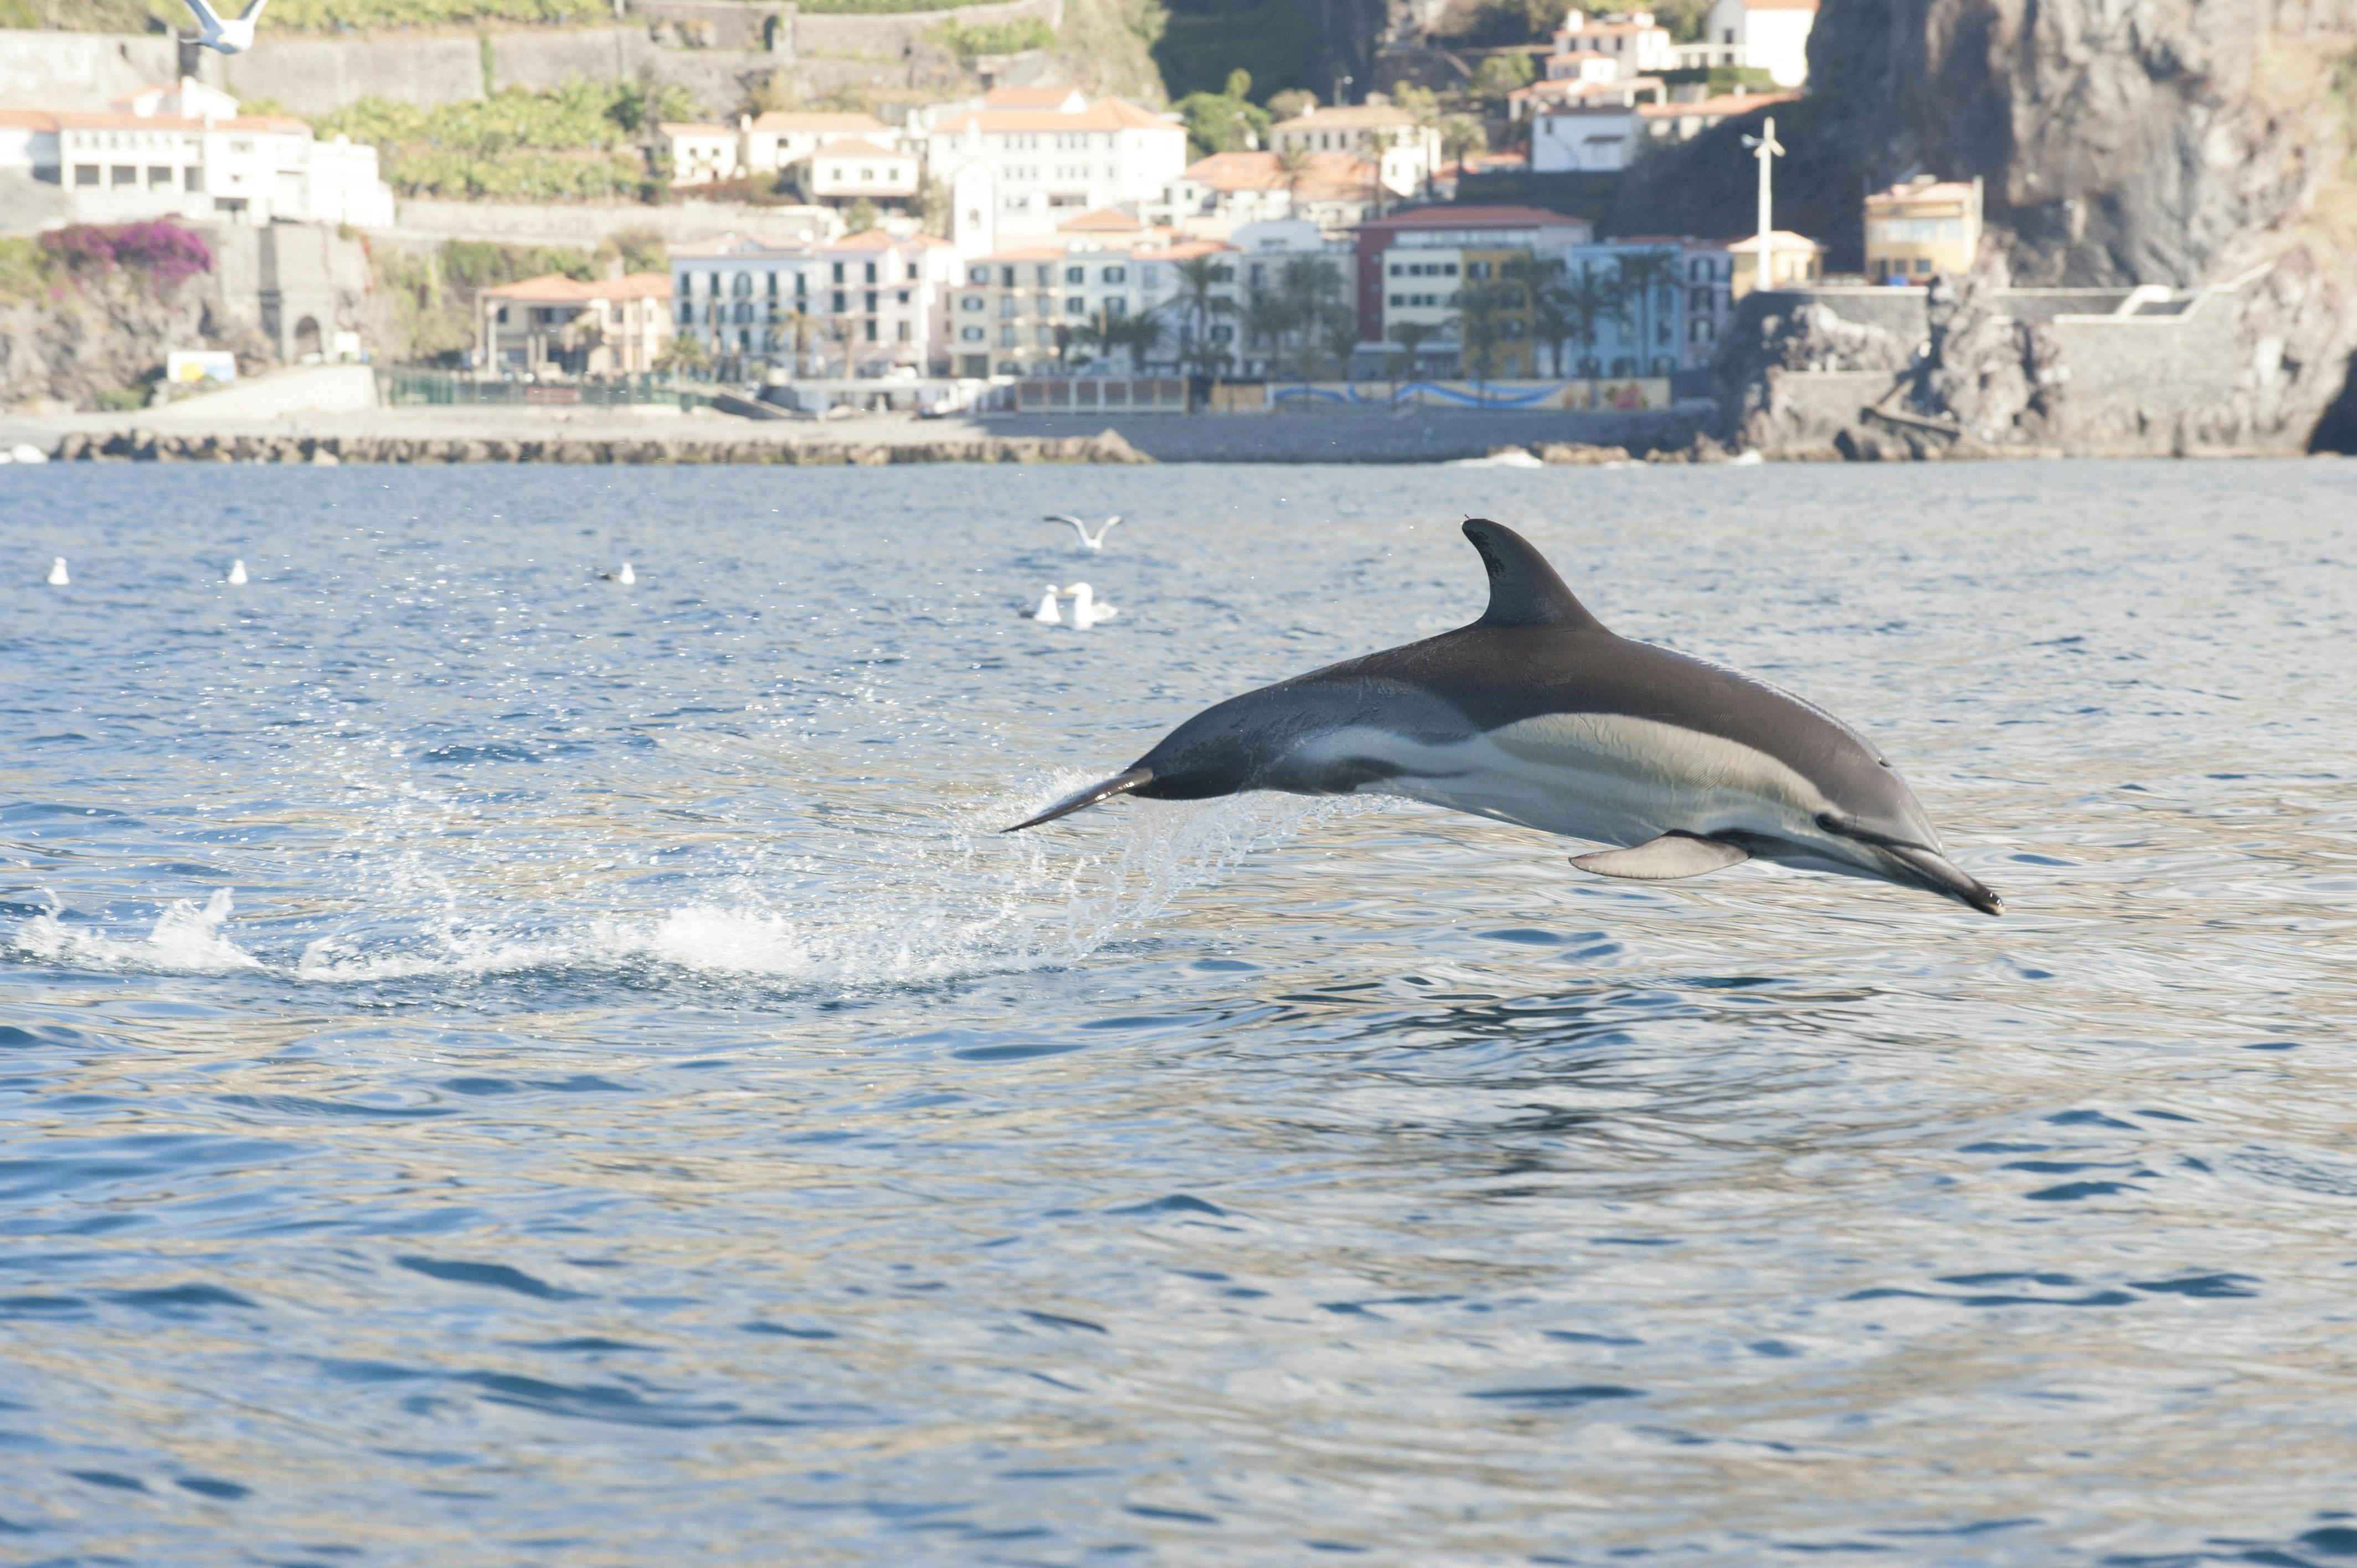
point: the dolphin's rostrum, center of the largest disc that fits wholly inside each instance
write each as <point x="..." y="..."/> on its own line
<point x="1537" y="715"/>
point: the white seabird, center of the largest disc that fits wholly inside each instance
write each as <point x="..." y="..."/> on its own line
<point x="58" y="577"/>
<point x="1086" y="610"/>
<point x="227" y="36"/>
<point x="1046" y="615"/>
<point x="237" y="574"/>
<point x="1088" y="541"/>
<point x="625" y="577"/>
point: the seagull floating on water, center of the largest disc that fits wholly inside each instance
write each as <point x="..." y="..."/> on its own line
<point x="1046" y="614"/>
<point x="1088" y="541"/>
<point x="1086" y="611"/>
<point x="58" y="578"/>
<point x="625" y="577"/>
<point x="237" y="574"/>
<point x="226" y="35"/>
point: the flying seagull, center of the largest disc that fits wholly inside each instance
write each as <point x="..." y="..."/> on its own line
<point x="228" y="36"/>
<point x="1088" y="541"/>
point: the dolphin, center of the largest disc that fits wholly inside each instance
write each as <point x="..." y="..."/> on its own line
<point x="1536" y="715"/>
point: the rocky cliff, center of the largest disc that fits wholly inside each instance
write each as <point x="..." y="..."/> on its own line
<point x="2123" y="142"/>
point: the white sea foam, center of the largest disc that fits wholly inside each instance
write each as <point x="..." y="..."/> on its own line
<point x="928" y="903"/>
<point x="187" y="938"/>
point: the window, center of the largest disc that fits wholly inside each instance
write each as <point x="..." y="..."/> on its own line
<point x="159" y="176"/>
<point x="1076" y="306"/>
<point x="192" y="179"/>
<point x="742" y="286"/>
<point x="1398" y="270"/>
<point x="915" y="274"/>
<point x="1115" y="308"/>
<point x="1222" y="334"/>
<point x="871" y="331"/>
<point x="85" y="173"/>
<point x="1117" y="275"/>
<point x="1399" y="298"/>
<point x="971" y="302"/>
<point x="841" y="302"/>
<point x="838" y="277"/>
<point x="502" y="317"/>
<point x="774" y="285"/>
<point x="902" y="296"/>
<point x="868" y="302"/>
<point x="970" y="334"/>
<point x="1007" y="336"/>
<point x="870" y="276"/>
<point x="712" y="284"/>
<point x="1477" y="269"/>
<point x="978" y="275"/>
<point x="1076" y="275"/>
<point x="904" y="332"/>
<point x="122" y="174"/>
<point x="1922" y="264"/>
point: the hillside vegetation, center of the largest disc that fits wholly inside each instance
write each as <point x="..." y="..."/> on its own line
<point x="570" y="143"/>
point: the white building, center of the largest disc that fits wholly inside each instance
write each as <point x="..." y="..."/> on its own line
<point x="862" y="305"/>
<point x="185" y="151"/>
<point x="1772" y="35"/>
<point x="1406" y="154"/>
<point x="1217" y="195"/>
<point x="701" y="154"/>
<point x="1049" y="163"/>
<point x="1599" y="135"/>
<point x="780" y="139"/>
<point x="1635" y="43"/>
<point x="858" y="170"/>
<point x="1030" y="310"/>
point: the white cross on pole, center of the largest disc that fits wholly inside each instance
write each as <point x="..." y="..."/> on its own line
<point x="1770" y="148"/>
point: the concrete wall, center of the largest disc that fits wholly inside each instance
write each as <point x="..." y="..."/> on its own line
<point x="80" y="71"/>
<point x="584" y="225"/>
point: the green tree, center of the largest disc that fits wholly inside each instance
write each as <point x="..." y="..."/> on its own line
<point x="1412" y="336"/>
<point x="1223" y="122"/>
<point x="1480" y="327"/>
<point x="1309" y="289"/>
<point x="1499" y="76"/>
<point x="1587" y="302"/>
<point x="1461" y="136"/>
<point x="860" y="217"/>
<point x="685" y="352"/>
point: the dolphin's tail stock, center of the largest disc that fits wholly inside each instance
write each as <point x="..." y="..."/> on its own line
<point x="1119" y="784"/>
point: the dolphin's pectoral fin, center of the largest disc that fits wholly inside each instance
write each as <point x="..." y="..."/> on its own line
<point x="1665" y="859"/>
<point x="1119" y="784"/>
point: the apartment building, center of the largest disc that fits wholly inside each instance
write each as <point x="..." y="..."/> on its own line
<point x="863" y="305"/>
<point x="605" y="326"/>
<point x="1633" y="42"/>
<point x="1406" y="154"/>
<point x="840" y="173"/>
<point x="1028" y="310"/>
<point x="184" y="150"/>
<point x="1421" y="256"/>
<point x="1052" y="153"/>
<point x="1923" y="227"/>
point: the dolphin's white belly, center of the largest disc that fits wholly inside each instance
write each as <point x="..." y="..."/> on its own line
<point x="1590" y="775"/>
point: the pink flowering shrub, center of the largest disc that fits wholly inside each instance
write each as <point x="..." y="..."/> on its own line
<point x="166" y="252"/>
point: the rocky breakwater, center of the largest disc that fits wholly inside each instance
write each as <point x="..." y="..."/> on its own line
<point x="151" y="446"/>
<point x="2202" y="147"/>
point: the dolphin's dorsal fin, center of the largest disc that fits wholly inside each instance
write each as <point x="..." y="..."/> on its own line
<point x="1524" y="589"/>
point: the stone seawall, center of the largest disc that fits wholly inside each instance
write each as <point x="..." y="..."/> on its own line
<point x="150" y="447"/>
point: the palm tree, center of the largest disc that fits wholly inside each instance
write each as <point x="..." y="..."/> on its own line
<point x="1641" y="274"/>
<point x="1480" y="325"/>
<point x="1268" y="319"/>
<point x="1588" y="301"/>
<point x="1461" y="134"/>
<point x="1551" y="321"/>
<point x="1309" y="286"/>
<point x="1411" y="335"/>
<point x="1294" y="164"/>
<point x="1197" y="277"/>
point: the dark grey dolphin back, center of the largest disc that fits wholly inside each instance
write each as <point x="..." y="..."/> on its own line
<point x="1524" y="589"/>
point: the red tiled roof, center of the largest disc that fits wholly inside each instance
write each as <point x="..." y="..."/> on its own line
<point x="1104" y="114"/>
<point x="794" y="120"/>
<point x="555" y="288"/>
<point x="1472" y="218"/>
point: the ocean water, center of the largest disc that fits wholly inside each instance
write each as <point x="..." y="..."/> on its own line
<point x="500" y="1067"/>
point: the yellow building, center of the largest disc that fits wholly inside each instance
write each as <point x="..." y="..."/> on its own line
<point x="1922" y="228"/>
<point x="1506" y="277"/>
<point x="1791" y="258"/>
<point x="612" y="326"/>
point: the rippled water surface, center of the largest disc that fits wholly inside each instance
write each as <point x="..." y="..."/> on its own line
<point x="500" y="1067"/>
